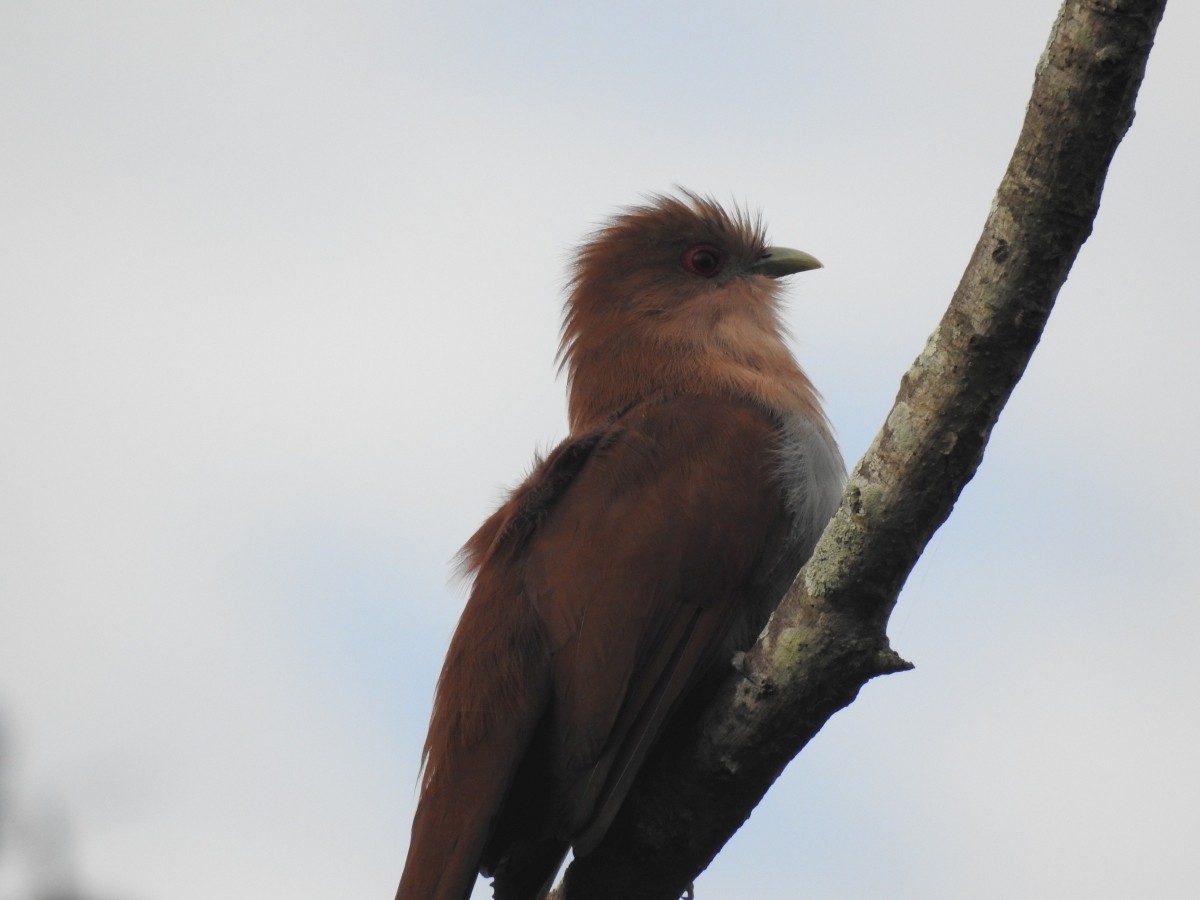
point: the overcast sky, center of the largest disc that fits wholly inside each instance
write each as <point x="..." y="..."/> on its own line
<point x="279" y="301"/>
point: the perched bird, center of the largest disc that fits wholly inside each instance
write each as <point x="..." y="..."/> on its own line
<point x="646" y="549"/>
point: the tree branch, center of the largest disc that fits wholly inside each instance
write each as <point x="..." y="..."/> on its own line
<point x="828" y="637"/>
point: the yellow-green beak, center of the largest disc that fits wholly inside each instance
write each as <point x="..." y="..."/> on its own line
<point x="779" y="261"/>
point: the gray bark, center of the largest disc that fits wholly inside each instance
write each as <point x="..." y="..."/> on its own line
<point x="828" y="637"/>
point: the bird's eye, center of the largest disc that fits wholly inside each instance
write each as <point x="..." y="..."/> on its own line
<point x="704" y="260"/>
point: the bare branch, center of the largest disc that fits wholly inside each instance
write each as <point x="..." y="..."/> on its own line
<point x="828" y="637"/>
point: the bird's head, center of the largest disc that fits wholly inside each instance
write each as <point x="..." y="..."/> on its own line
<point x="667" y="294"/>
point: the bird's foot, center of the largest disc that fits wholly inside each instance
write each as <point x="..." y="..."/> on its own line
<point x="741" y="665"/>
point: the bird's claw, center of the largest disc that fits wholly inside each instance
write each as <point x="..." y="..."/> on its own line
<point x="741" y="665"/>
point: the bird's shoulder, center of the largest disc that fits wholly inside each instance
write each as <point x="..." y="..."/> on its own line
<point x="684" y="449"/>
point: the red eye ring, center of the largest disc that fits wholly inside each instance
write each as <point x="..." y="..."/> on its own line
<point x="704" y="260"/>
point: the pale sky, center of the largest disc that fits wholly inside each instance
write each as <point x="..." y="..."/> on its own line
<point x="279" y="304"/>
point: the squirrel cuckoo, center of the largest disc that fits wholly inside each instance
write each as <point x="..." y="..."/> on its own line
<point x="646" y="549"/>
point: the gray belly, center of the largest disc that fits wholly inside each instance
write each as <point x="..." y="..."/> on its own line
<point x="813" y="476"/>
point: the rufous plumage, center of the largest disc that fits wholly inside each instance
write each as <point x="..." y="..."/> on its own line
<point x="636" y="559"/>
